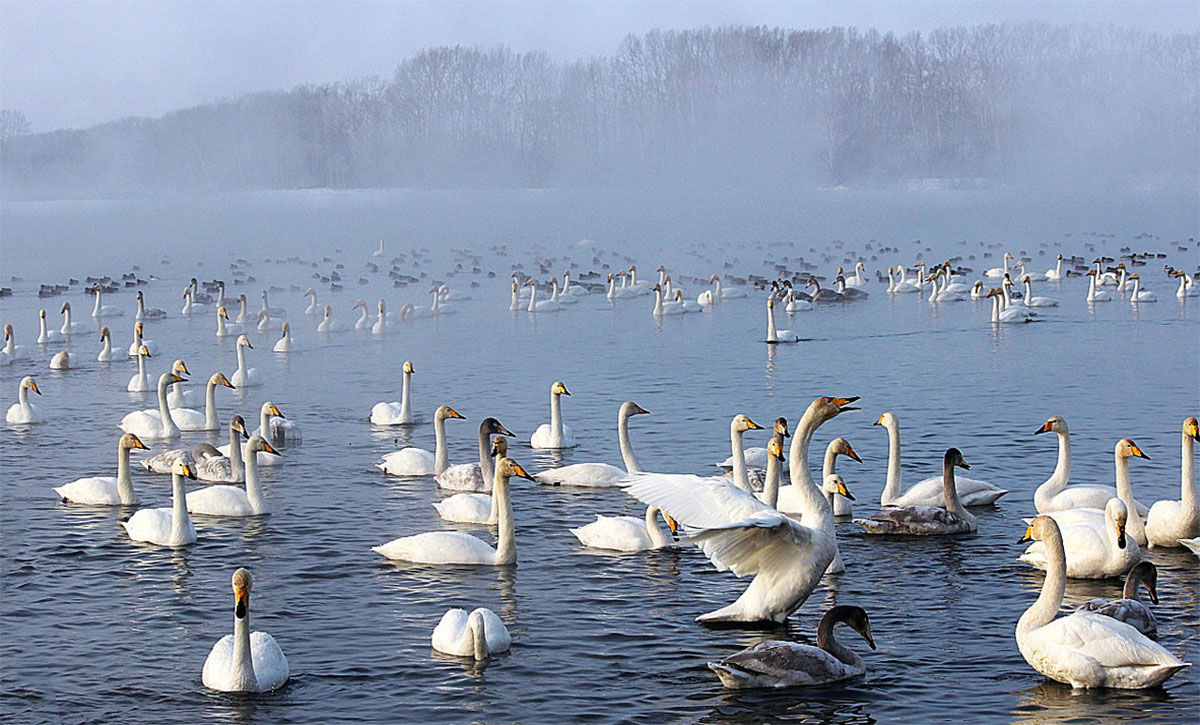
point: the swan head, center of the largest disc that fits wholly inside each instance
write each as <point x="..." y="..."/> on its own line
<point x="1055" y="424"/>
<point x="327" y="310"/>
<point x="1147" y="575"/>
<point x="220" y="379"/>
<point x="444" y="411"/>
<point x="169" y="379"/>
<point x="241" y="593"/>
<point x="129" y="440"/>
<point x="558" y="388"/>
<point x="1040" y="528"/>
<point x="775" y="448"/>
<point x="66" y="307"/>
<point x="221" y="312"/>
<point x="178" y="367"/>
<point x="1191" y="429"/>
<point x="408" y="368"/>
<point x="1008" y="256"/>
<point x="269" y="408"/>
<point x="139" y="328"/>
<point x="140" y="296"/>
<point x="770" y="303"/>
<point x="1126" y="448"/>
<point x="238" y="424"/>
<point x="382" y="304"/>
<point x="712" y="278"/>
<point x="1025" y="279"/>
<point x="1060" y="256"/>
<point x="828" y="407"/>
<point x="309" y="292"/>
<point x="181" y="468"/>
<point x="144" y="351"/>
<point x="358" y="303"/>
<point x="104" y="334"/>
<point x="243" y="340"/>
<point x="1116" y="512"/>
<point x="842" y="446"/>
<point x="499" y="447"/>
<point x="629" y="408"/>
<point x="258" y="443"/>
<point x="187" y="291"/>
<point x="977" y="286"/>
<point x="887" y="420"/>
<point x="954" y="457"/>
<point x="491" y="426"/>
<point x="42" y="314"/>
<point x="742" y="423"/>
<point x="834" y="484"/>
<point x="780" y="428"/>
<point x="860" y="265"/>
<point x="853" y="617"/>
<point x="8" y="331"/>
<point x="508" y="468"/>
<point x="28" y="384"/>
<point x="284" y="329"/>
<point x="529" y="283"/>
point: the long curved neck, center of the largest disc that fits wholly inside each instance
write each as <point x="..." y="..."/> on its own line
<point x="23" y="397"/>
<point x="362" y="315"/>
<point x="1062" y="473"/>
<point x="405" y="401"/>
<point x="236" y="465"/>
<point x="210" y="407"/>
<point x="739" y="459"/>
<point x="476" y="635"/>
<point x="658" y="303"/>
<point x="1137" y="284"/>
<point x="42" y="331"/>
<point x="556" y="424"/>
<point x="141" y="365"/>
<point x="770" y="493"/>
<point x="1058" y="267"/>
<point x="995" y="308"/>
<point x="1091" y="286"/>
<point x="141" y="309"/>
<point x="180" y="521"/>
<point x="439" y="444"/>
<point x="815" y="511"/>
<point x="772" y="334"/>
<point x="826" y="642"/>
<point x="657" y="537"/>
<point x="1187" y="481"/>
<point x="241" y="669"/>
<point x="631" y="462"/>
<point x="950" y="491"/>
<point x="220" y="326"/>
<point x="253" y="487"/>
<point x="164" y="412"/>
<point x="891" y="489"/>
<point x="532" y="297"/>
<point x="124" y="481"/>
<point x="1135" y="526"/>
<point x="827" y="467"/>
<point x="241" y="357"/>
<point x="506" y="545"/>
<point x="486" y="469"/>
<point x="1048" y="602"/>
<point x="107" y="349"/>
<point x="66" y="321"/>
<point x="137" y="337"/>
<point x="96" y="306"/>
<point x="1132" y="583"/>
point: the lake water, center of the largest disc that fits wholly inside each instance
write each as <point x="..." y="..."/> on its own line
<point x="97" y="628"/>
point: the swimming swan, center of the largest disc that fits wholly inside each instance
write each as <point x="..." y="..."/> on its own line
<point x="24" y="412"/>
<point x="554" y="434"/>
<point x="474" y="508"/>
<point x="100" y="310"/>
<point x="222" y="468"/>
<point x="106" y="490"/>
<point x="1094" y="550"/>
<point x="1171" y="520"/>
<point x="776" y="336"/>
<point x="414" y="461"/>
<point x="154" y="424"/>
<point x="1122" y="452"/>
<point x="190" y="419"/>
<point x="474" y="476"/>
<point x="166" y="526"/>
<point x="235" y="500"/>
<point x="1054" y="494"/>
<point x="1129" y="608"/>
<point x="971" y="492"/>
<point x="626" y="533"/>
<point x="244" y="661"/>
<point x="922" y="520"/>
<point x="245" y="377"/>
<point x="396" y="413"/>
<point x="601" y="474"/>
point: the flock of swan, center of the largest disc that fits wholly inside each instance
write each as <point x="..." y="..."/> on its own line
<point x="763" y="514"/>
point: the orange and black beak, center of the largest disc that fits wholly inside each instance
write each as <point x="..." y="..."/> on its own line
<point x="521" y="472"/>
<point x="1138" y="452"/>
<point x="842" y="403"/>
<point x="850" y="452"/>
<point x="241" y="599"/>
<point x="1046" y="427"/>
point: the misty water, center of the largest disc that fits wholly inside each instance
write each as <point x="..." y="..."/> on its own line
<point x="94" y="627"/>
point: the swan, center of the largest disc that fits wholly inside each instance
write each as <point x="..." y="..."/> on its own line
<point x="999" y="272"/>
<point x="708" y="297"/>
<point x="154" y="424"/>
<point x="1187" y="288"/>
<point x="106" y="353"/>
<point x="190" y="306"/>
<point x="823" y="295"/>
<point x="848" y="293"/>
<point x="1122" y="452"/>
<point x="601" y="474"/>
<point x="474" y="508"/>
<point x="381" y="321"/>
<point x="920" y="520"/>
<point x="396" y="413"/>
<point x="1035" y="276"/>
<point x="1139" y="294"/>
<point x="180" y="396"/>
<point x="266" y="421"/>
<point x="775" y="336"/>
<point x="101" y="310"/>
<point x="737" y="429"/>
<point x="140" y="382"/>
<point x="756" y="457"/>
<point x="796" y="304"/>
<point x="313" y="308"/>
<point x="1084" y="649"/>
<point x="1095" y="295"/>
<point x="1129" y="608"/>
<point x="271" y="311"/>
<point x="478" y="634"/>
<point x="61" y="360"/>
<point x="71" y="328"/>
<point x="776" y="663"/>
<point x="364" y="320"/>
<point x="788" y="502"/>
<point x="554" y="434"/>
<point x="413" y="461"/>
<point x="138" y="342"/>
<point x="684" y="304"/>
<point x="971" y="492"/>
<point x="153" y="313"/>
<point x="378" y="252"/>
<point x="47" y="335"/>
<point x="166" y="526"/>
<point x="738" y="532"/>
<point x="244" y="661"/>
<point x="1094" y="550"/>
<point x="514" y="303"/>
<point x="235" y="500"/>
<point x="243" y="316"/>
<point x="23" y="411"/>
<point x="245" y="377"/>
<point x="106" y="490"/>
<point x="11" y="348"/>
<point x="1056" y="273"/>
<point x="977" y="291"/>
<point x="619" y="293"/>
<point x="453" y="547"/>
<point x="328" y="324"/>
<point x="1172" y="520"/>
<point x="225" y="328"/>
<point x="728" y="293"/>
<point x="230" y="468"/>
<point x="625" y="533"/>
<point x="773" y="472"/>
<point x="1054" y="494"/>
<point x="669" y="307"/>
<point x="1002" y="313"/>
<point x="474" y="476"/>
<point x="285" y="343"/>
<point x="900" y="286"/>
<point x="857" y="280"/>
<point x="1031" y="301"/>
<point x="190" y="419"/>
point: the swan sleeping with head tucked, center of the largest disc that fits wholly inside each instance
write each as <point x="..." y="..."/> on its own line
<point x="478" y="634"/>
<point x="601" y="474"/>
<point x="244" y="661"/>
<point x="106" y="490"/>
<point x="166" y="526"/>
<point x="554" y="434"/>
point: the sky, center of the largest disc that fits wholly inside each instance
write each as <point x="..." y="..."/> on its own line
<point x="75" y="64"/>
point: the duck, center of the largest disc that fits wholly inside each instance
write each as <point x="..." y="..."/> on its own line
<point x="601" y="475"/>
<point x="106" y="353"/>
<point x="139" y="342"/>
<point x="190" y="419"/>
<point x="166" y="526"/>
<point x="69" y="327"/>
<point x="235" y="500"/>
<point x="1129" y="608"/>
<point x="397" y="413"/>
<point x="245" y="377"/>
<point x="776" y="336"/>
<point x="61" y="360"/>
<point x="928" y="492"/>
<point x="219" y="468"/>
<point x="226" y="328"/>
<point x="1171" y="520"/>
<point x="454" y="547"/>
<point x="738" y="532"/>
<point x="286" y="343"/>
<point x="100" y="310"/>
<point x="244" y="661"/>
<point x="412" y="461"/>
<point x="143" y="313"/>
<point x="555" y="434"/>
<point x="1084" y="649"/>
<point x="919" y="520"/>
<point x="191" y="306"/>
<point x="154" y="424"/>
<point x="626" y="533"/>
<point x="140" y="382"/>
<point x="46" y="335"/>
<point x="1055" y="495"/>
<point x="1140" y="295"/>
<point x="11" y="348"/>
<point x="1094" y="550"/>
<point x="479" y="634"/>
<point x="24" y="412"/>
<point x="106" y="490"/>
<point x="778" y="664"/>
<point x="267" y="414"/>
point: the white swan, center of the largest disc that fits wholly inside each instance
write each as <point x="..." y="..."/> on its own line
<point x="24" y="412"/>
<point x="11" y="348"/>
<point x="474" y="508"/>
<point x="774" y="335"/>
<point x="235" y="500"/>
<point x="139" y="341"/>
<point x="181" y="396"/>
<point x="226" y="328"/>
<point x="971" y="492"/>
<point x="245" y="377"/>
<point x="550" y="305"/>
<point x="625" y="533"/>
<point x="923" y="520"/>
<point x="777" y="664"/>
<point x="554" y="434"/>
<point x="364" y="320"/>
<point x="738" y="532"/>
<point x="330" y="325"/>
<point x="166" y="526"/>
<point x="106" y="353"/>
<point x="756" y="457"/>
<point x="1056" y="273"/>
<point x="1055" y="495"/>
<point x="154" y="424"/>
<point x="382" y="323"/>
<point x="100" y="310"/>
<point x="1122" y="452"/>
<point x="46" y="335"/>
<point x="601" y="474"/>
<point x="1094" y="550"/>
<point x="220" y="468"/>
<point x="61" y="360"/>
<point x="412" y="461"/>
<point x="313" y="308"/>
<point x="267" y="414"/>
<point x="1129" y="608"/>
<point x="190" y="306"/>
<point x="478" y="634"/>
<point x="190" y="419"/>
<point x="1139" y="294"/>
<point x="788" y="502"/>
<point x="1172" y="520"/>
<point x="1031" y="301"/>
<point x="453" y="547"/>
<point x="153" y="313"/>
<point x="1001" y="313"/>
<point x="1084" y="649"/>
<point x="668" y="307"/>
<point x="1187" y="287"/>
<point x="474" y="476"/>
<point x="106" y="490"/>
<point x="396" y="413"/>
<point x="999" y="272"/>
<point x="244" y="661"/>
<point x="684" y="304"/>
<point x="286" y="343"/>
<point x="69" y="327"/>
<point x="141" y="382"/>
<point x="900" y="286"/>
<point x="1093" y="294"/>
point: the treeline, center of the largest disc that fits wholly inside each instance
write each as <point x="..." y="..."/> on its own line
<point x="741" y="105"/>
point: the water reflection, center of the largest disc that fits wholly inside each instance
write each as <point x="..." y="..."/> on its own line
<point x="1054" y="702"/>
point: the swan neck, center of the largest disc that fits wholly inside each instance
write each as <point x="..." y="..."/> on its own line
<point x="141" y="309"/>
<point x="241" y="358"/>
<point x="439" y="445"/>
<point x="23" y="397"/>
<point x="830" y="462"/>
<point x="950" y="491"/>
<point x="236" y="465"/>
<point x="770" y="493"/>
<point x="556" y="424"/>
<point x="891" y="489"/>
<point x="253" y="487"/>
<point x="772" y="333"/>
<point x="106" y="350"/>
<point x="405" y="400"/>
<point x="826" y="641"/>
<point x="657" y="537"/>
<point x="164" y="412"/>
<point x="532" y="297"/>
<point x="210" y="407"/>
<point x="124" y="481"/>
<point x="739" y="459"/>
<point x="486" y="469"/>
<point x="1187" y="479"/>
<point x="506" y="546"/>
<point x="816" y="512"/>
<point x="180" y="521"/>
<point x="1043" y="610"/>
<point x="658" y="303"/>
<point x="1132" y="583"/>
<point x="494" y="511"/>
<point x="1134" y="526"/>
<point x="631" y="462"/>
<point x="241" y="669"/>
<point x="478" y="634"/>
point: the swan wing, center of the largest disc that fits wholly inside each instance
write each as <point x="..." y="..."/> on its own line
<point x="584" y="474"/>
<point x="1110" y="643"/>
<point x="494" y="632"/>
<point x="153" y="525"/>
<point x="470" y="508"/>
<point x="93" y="491"/>
<point x="188" y="419"/>
<point x="215" y="675"/>
<point x="270" y="664"/>
<point x="407" y="462"/>
<point x="438" y="547"/>
<point x="448" y="634"/>
<point x="617" y="533"/>
<point x="463" y="477"/>
<point x="219" y="501"/>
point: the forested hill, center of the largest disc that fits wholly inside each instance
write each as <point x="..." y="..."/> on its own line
<point x="736" y="105"/>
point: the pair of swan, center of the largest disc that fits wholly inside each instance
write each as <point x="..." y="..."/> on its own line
<point x="190" y="419"/>
<point x="554" y="434"/>
<point x="738" y="532"/>
<point x="1095" y="515"/>
<point x="452" y="547"/>
<point x="154" y="424"/>
<point x="1003" y="312"/>
<point x="244" y="661"/>
<point x="928" y="492"/>
<point x="106" y="490"/>
<point x="776" y="664"/>
<point x="1093" y="549"/>
<point x="396" y="413"/>
<point x="598" y="475"/>
<point x="166" y="526"/>
<point x="756" y="457"/>
<point x="900" y="286"/>
<point x="269" y="420"/>
<point x="234" y="500"/>
<point x="24" y="412"/>
<point x="1129" y="608"/>
<point x="1170" y="520"/>
<point x="1084" y="649"/>
<point x="475" y="508"/>
<point x="478" y="634"/>
<point x="1054" y="494"/>
<point x="924" y="520"/>
<point x="776" y="336"/>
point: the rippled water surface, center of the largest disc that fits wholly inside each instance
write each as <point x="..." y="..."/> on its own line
<point x="97" y="628"/>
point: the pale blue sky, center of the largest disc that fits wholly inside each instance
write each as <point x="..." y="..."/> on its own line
<point x="73" y="64"/>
